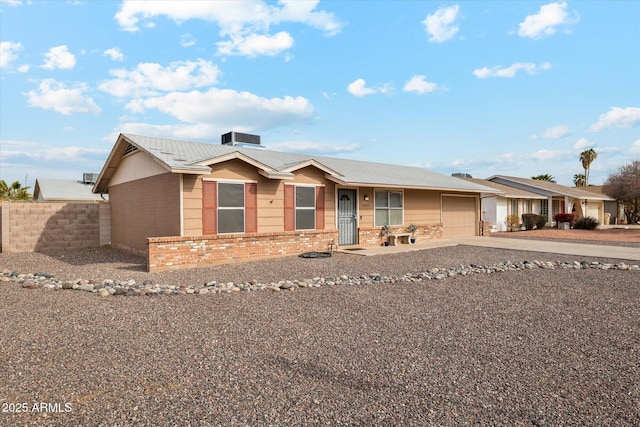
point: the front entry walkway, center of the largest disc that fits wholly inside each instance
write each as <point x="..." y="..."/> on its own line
<point x="548" y="246"/>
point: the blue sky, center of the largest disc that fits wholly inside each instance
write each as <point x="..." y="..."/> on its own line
<point x="508" y="87"/>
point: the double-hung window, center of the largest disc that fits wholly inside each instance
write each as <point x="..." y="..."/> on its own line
<point x="305" y="208"/>
<point x="388" y="208"/>
<point x="230" y="207"/>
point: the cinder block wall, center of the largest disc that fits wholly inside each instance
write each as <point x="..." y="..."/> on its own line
<point x="169" y="253"/>
<point x="35" y="227"/>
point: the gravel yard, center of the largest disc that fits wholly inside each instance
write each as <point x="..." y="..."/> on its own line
<point x="536" y="347"/>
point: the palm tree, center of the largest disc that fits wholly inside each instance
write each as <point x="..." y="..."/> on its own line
<point x="544" y="177"/>
<point x="15" y="191"/>
<point x="578" y="180"/>
<point x="586" y="158"/>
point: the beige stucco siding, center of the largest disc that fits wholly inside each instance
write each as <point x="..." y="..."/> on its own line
<point x="270" y="195"/>
<point x="420" y="206"/>
<point x="144" y="208"/>
<point x="136" y="166"/>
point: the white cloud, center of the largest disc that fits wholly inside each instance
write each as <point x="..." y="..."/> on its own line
<point x="246" y="23"/>
<point x="419" y="84"/>
<point x="40" y="151"/>
<point x="359" y="88"/>
<point x="114" y="53"/>
<point x="256" y="44"/>
<point x="441" y="25"/>
<point x="150" y="78"/>
<point x="59" y="57"/>
<point x="8" y="53"/>
<point x="545" y="22"/>
<point x="546" y="155"/>
<point x="24" y="68"/>
<point x="228" y="108"/>
<point x="635" y="146"/>
<point x="56" y="96"/>
<point x="555" y="132"/>
<point x="309" y="147"/>
<point x="187" y="40"/>
<point x="583" y="143"/>
<point x="617" y="117"/>
<point x="511" y="71"/>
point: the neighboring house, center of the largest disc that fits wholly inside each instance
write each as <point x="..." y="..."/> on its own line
<point x="217" y="197"/>
<point x="510" y="201"/>
<point x="611" y="206"/>
<point x="67" y="190"/>
<point x="559" y="198"/>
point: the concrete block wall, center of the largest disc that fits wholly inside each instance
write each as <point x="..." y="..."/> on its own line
<point x="170" y="253"/>
<point x="370" y="236"/>
<point x="36" y="227"/>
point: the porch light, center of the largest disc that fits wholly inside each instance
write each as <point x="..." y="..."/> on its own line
<point x="366" y="197"/>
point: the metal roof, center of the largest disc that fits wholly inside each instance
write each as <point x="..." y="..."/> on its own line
<point x="194" y="157"/>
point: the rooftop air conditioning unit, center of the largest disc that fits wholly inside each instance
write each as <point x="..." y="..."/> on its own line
<point x="89" y="178"/>
<point x="241" y="139"/>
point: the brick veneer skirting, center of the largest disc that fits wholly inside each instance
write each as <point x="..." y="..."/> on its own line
<point x="372" y="237"/>
<point x="169" y="253"/>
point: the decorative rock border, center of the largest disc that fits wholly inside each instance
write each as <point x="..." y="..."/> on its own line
<point x="148" y="288"/>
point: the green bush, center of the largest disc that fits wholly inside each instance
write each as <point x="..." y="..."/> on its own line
<point x="529" y="220"/>
<point x="541" y="221"/>
<point x="586" y="223"/>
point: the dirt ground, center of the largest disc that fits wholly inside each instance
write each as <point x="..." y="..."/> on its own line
<point x="631" y="235"/>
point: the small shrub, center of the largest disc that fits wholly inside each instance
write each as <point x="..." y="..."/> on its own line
<point x="586" y="223"/>
<point x="529" y="220"/>
<point x="513" y="222"/>
<point x="541" y="221"/>
<point x="564" y="217"/>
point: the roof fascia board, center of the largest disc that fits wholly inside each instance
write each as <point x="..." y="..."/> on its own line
<point x="276" y="175"/>
<point x="232" y="156"/>
<point x="409" y="187"/>
<point x="521" y="186"/>
<point x="314" y="163"/>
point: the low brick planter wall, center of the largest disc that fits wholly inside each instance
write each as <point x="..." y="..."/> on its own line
<point x="169" y="253"/>
<point x="371" y="236"/>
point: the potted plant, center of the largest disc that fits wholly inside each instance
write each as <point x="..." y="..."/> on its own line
<point x="412" y="228"/>
<point x="385" y="231"/>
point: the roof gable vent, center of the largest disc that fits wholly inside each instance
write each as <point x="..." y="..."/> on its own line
<point x="241" y="139"/>
<point x="130" y="148"/>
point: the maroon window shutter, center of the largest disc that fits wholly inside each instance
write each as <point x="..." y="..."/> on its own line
<point x="251" y="207"/>
<point x="209" y="207"/>
<point x="319" y="208"/>
<point x="289" y="208"/>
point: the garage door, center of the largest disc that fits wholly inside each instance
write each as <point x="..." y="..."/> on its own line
<point x="459" y="216"/>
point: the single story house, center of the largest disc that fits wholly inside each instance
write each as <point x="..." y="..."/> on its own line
<point x="510" y="201"/>
<point x="182" y="203"/>
<point x="611" y="206"/>
<point x="67" y="190"/>
<point x="557" y="198"/>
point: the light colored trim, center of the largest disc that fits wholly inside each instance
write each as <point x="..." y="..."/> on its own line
<point x="306" y="208"/>
<point x="232" y="156"/>
<point x="276" y="175"/>
<point x="405" y="187"/>
<point x="231" y="181"/>
<point x="181" y="205"/>
<point x="314" y="163"/>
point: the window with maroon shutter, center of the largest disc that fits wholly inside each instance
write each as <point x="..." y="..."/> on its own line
<point x="251" y="207"/>
<point x="209" y="207"/>
<point x="289" y="208"/>
<point x="229" y="207"/>
<point x="319" y="208"/>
